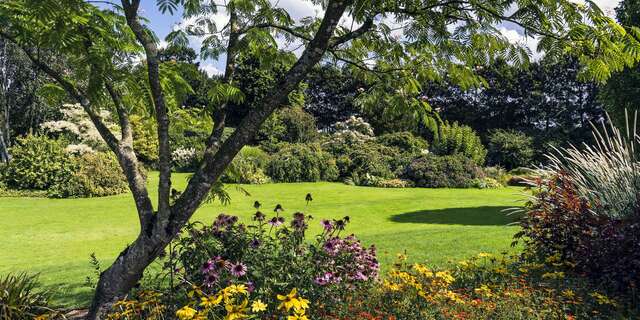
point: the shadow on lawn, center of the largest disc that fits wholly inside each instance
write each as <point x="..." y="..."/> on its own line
<point x="475" y="216"/>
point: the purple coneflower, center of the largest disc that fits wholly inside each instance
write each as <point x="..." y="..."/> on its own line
<point x="238" y="269"/>
<point x="327" y="225"/>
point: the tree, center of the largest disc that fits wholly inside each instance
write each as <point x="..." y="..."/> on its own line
<point x="392" y="45"/>
<point x="622" y="91"/>
<point x="546" y="101"/>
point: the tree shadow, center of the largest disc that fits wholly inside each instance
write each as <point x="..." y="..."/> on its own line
<point x="474" y="216"/>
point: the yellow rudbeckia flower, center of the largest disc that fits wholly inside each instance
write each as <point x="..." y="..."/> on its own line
<point x="258" y="306"/>
<point x="186" y="313"/>
<point x="289" y="301"/>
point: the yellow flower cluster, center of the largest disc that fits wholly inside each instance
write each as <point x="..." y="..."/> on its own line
<point x="293" y="302"/>
<point x="234" y="298"/>
<point x="428" y="284"/>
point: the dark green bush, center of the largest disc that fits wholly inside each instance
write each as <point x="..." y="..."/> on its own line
<point x="459" y="139"/>
<point x="97" y="175"/>
<point x="368" y="158"/>
<point x="510" y="149"/>
<point x="38" y="163"/>
<point x="302" y="162"/>
<point x="292" y="125"/>
<point x="404" y="141"/>
<point x="452" y="171"/>
<point x="20" y="297"/>
<point x="248" y="167"/>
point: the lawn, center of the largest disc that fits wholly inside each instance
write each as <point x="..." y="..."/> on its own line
<point x="56" y="237"/>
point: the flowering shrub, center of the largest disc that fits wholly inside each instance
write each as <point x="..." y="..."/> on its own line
<point x="559" y="221"/>
<point x="268" y="257"/>
<point x="184" y="159"/>
<point x="77" y="127"/>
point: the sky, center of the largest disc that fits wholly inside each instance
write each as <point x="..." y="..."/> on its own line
<point x="163" y="24"/>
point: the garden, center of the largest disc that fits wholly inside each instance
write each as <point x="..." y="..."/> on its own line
<point x="187" y="159"/>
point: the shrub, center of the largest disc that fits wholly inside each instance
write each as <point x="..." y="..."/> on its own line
<point x="510" y="149"/>
<point x="292" y="125"/>
<point x="185" y="159"/>
<point x="404" y="141"/>
<point x="453" y="171"/>
<point x="368" y="158"/>
<point x="145" y="139"/>
<point x="38" y="163"/>
<point x="302" y="162"/>
<point x="20" y="298"/>
<point x="497" y="173"/>
<point x="459" y="139"/>
<point x="486" y="183"/>
<point x="560" y="222"/>
<point x="97" y="175"/>
<point x="248" y="167"/>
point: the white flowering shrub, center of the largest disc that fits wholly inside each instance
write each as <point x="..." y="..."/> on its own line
<point x="184" y="159"/>
<point x="78" y="128"/>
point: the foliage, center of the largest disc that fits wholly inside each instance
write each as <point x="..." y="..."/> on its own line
<point x="267" y="258"/>
<point x="618" y="94"/>
<point x="97" y="175"/>
<point x="189" y="129"/>
<point x="404" y="141"/>
<point x="248" y="167"/>
<point x="367" y="159"/>
<point x="21" y="298"/>
<point x="432" y="171"/>
<point x="292" y="125"/>
<point x="145" y="139"/>
<point x="560" y="222"/>
<point x="546" y="101"/>
<point x="330" y="95"/>
<point x="510" y="149"/>
<point x="459" y="139"/>
<point x="606" y="173"/>
<point x="38" y="163"/>
<point x="302" y="162"/>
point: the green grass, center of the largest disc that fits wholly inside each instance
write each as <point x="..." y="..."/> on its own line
<point x="55" y="237"/>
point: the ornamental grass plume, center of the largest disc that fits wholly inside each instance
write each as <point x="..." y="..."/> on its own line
<point x="607" y="173"/>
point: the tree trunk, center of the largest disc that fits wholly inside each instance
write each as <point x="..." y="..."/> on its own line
<point x="4" y="149"/>
<point x="125" y="272"/>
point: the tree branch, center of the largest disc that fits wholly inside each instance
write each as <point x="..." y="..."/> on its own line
<point x="366" y="26"/>
<point x="153" y="69"/>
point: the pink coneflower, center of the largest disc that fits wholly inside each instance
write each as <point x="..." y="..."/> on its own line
<point x="327" y="225"/>
<point x="238" y="269"/>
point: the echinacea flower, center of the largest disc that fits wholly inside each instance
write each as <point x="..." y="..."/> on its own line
<point x="326" y="225"/>
<point x="186" y="313"/>
<point x="258" y="306"/>
<point x="238" y="269"/>
<point x="275" y="222"/>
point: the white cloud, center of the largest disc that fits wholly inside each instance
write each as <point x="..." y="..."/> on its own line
<point x="516" y="37"/>
<point x="210" y="69"/>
